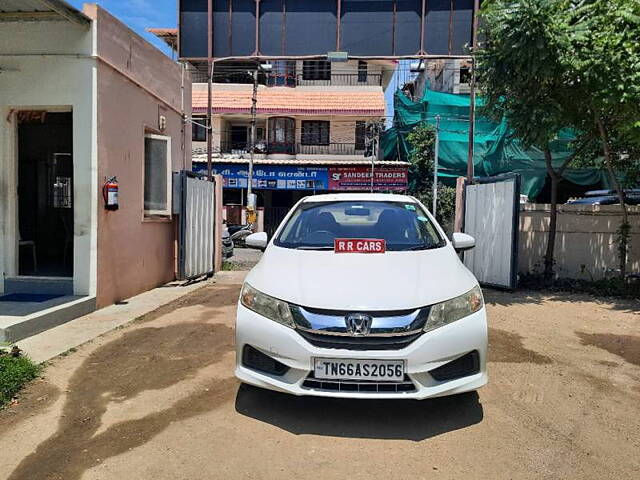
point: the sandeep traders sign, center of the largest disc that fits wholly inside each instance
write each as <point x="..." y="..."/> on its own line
<point x="359" y="178"/>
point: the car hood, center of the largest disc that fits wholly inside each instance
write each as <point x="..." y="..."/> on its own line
<point x="352" y="281"/>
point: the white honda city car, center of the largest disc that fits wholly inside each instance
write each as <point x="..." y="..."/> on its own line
<point x="361" y="296"/>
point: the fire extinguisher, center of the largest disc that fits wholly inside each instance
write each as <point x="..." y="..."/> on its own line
<point x="110" y="194"/>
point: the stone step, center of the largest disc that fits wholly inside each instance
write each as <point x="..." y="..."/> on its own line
<point x="48" y="285"/>
<point x="19" y="320"/>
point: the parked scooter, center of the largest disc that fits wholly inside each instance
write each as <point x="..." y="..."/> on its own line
<point x="239" y="233"/>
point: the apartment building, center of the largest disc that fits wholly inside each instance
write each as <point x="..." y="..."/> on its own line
<point x="313" y="120"/>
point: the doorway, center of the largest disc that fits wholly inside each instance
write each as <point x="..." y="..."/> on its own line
<point x="239" y="137"/>
<point x="45" y="194"/>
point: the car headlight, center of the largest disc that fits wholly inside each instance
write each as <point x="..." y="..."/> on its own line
<point x="267" y="306"/>
<point x="449" y="311"/>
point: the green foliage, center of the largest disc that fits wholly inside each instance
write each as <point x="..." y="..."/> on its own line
<point x="549" y="64"/>
<point x="14" y="373"/>
<point x="604" y="60"/>
<point x="520" y="67"/>
<point x="422" y="141"/>
<point x="446" y="204"/>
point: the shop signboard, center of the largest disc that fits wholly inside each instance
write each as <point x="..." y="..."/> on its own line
<point x="270" y="177"/>
<point x="359" y="178"/>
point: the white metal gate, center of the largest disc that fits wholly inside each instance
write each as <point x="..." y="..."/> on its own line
<point x="197" y="226"/>
<point x="492" y="213"/>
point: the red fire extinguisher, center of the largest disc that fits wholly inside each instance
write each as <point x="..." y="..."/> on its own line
<point x="110" y="194"/>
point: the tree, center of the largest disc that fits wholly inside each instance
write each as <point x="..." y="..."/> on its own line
<point x="422" y="142"/>
<point x="604" y="59"/>
<point x="523" y="77"/>
<point x="549" y="64"/>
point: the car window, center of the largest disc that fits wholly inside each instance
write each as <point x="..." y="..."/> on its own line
<point x="403" y="225"/>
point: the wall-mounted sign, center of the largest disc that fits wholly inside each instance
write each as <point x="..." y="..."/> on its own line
<point x="359" y="178"/>
<point x="289" y="177"/>
<point x="269" y="177"/>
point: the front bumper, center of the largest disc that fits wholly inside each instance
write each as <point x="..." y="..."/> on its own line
<point x="430" y="351"/>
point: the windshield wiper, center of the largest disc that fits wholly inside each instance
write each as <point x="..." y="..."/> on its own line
<point x="420" y="247"/>
<point x="319" y="247"/>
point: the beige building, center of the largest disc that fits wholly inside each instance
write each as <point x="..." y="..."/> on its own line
<point x="312" y="118"/>
<point x="83" y="99"/>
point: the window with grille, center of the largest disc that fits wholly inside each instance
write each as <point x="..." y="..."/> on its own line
<point x="157" y="175"/>
<point x="361" y="130"/>
<point x="198" y="130"/>
<point x="362" y="71"/>
<point x="316" y="70"/>
<point x="315" y="132"/>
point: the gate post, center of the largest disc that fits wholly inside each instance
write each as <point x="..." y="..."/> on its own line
<point x="458" y="224"/>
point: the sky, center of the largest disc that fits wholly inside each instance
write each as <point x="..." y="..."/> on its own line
<point x="142" y="14"/>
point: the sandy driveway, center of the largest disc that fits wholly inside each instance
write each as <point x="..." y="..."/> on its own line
<point x="157" y="400"/>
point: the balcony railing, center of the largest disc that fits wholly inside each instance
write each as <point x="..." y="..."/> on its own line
<point x="291" y="80"/>
<point x="285" y="148"/>
<point x="336" y="79"/>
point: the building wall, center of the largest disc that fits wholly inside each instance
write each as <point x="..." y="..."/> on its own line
<point x="586" y="246"/>
<point x="135" y="84"/>
<point x="48" y="66"/>
<point x="345" y="73"/>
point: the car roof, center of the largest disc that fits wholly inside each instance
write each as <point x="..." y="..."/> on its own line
<point x="347" y="197"/>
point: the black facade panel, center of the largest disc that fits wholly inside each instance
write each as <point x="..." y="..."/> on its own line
<point x="367" y="27"/>
<point x="310" y="27"/>
<point x="222" y="33"/>
<point x="243" y="28"/>
<point x="436" y="35"/>
<point x="461" y="30"/>
<point x="407" y="29"/>
<point x="271" y="22"/>
<point x="193" y="28"/>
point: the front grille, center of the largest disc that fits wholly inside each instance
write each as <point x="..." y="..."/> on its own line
<point x="394" y="342"/>
<point x="359" y="386"/>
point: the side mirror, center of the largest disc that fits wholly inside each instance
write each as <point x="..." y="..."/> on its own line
<point x="257" y="240"/>
<point x="462" y="242"/>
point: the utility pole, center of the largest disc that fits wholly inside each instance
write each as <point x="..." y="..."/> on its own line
<point x="472" y="96"/>
<point x="372" y="135"/>
<point x="209" y="129"/>
<point x="209" y="85"/>
<point x="436" y="152"/>
<point x="251" y="207"/>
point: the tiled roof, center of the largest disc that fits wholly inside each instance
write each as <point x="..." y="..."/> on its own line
<point x="167" y="35"/>
<point x="287" y="100"/>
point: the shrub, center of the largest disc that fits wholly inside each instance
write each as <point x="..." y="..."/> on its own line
<point x="15" y="372"/>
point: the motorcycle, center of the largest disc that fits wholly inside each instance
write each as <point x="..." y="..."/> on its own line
<point x="239" y="233"/>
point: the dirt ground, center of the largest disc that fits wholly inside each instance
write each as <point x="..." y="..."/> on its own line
<point x="158" y="400"/>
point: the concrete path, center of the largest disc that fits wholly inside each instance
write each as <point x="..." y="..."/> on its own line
<point x="61" y="339"/>
<point x="157" y="400"/>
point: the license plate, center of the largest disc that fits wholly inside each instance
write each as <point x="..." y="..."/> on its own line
<point x="348" y="369"/>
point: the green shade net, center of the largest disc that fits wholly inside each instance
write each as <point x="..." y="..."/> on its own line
<point x="495" y="150"/>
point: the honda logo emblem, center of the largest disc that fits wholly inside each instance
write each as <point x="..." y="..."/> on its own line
<point x="358" y="324"/>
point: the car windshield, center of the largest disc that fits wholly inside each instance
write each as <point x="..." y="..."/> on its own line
<point x="403" y="225"/>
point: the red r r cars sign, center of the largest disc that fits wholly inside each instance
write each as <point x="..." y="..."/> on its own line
<point x="359" y="245"/>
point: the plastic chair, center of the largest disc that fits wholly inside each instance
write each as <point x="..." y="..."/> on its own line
<point x="32" y="244"/>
